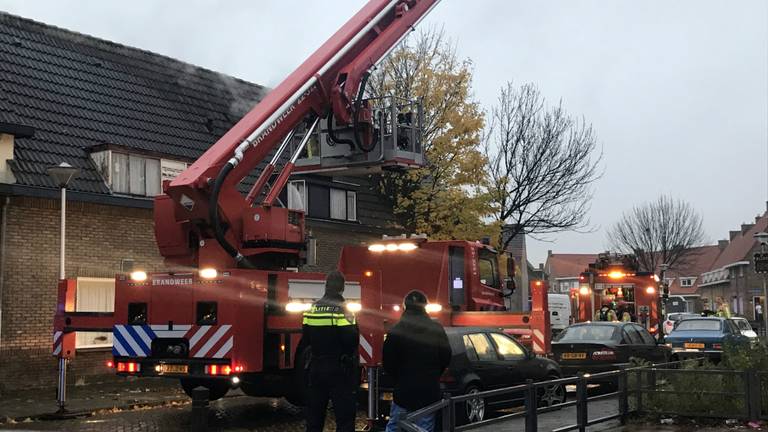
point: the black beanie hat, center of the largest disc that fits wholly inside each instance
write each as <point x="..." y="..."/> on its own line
<point x="415" y="300"/>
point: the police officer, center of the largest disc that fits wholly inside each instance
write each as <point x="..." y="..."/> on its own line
<point x="333" y="337"/>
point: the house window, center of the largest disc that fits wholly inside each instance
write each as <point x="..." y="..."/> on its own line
<point x="94" y="295"/>
<point x="136" y="174"/>
<point x="320" y="201"/>
<point x="297" y="195"/>
<point x="687" y="282"/>
<point x="343" y="204"/>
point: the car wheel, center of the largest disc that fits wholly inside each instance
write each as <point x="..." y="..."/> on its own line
<point x="551" y="394"/>
<point x="473" y="409"/>
<point x="216" y="388"/>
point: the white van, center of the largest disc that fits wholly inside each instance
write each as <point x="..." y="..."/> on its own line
<point x="559" y="311"/>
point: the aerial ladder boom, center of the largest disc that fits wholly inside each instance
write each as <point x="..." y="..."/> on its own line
<point x="203" y="220"/>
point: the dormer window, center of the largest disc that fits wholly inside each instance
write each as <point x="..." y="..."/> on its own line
<point x="135" y="174"/>
<point x="687" y="282"/>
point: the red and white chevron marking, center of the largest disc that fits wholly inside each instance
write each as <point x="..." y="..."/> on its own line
<point x="210" y="341"/>
<point x="57" y="341"/>
<point x="366" y="350"/>
<point x="205" y="341"/>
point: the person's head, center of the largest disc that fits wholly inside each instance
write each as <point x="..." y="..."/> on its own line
<point x="415" y="301"/>
<point x="334" y="283"/>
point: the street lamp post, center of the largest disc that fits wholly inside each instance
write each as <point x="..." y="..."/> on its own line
<point x="663" y="294"/>
<point x="62" y="174"/>
<point x="762" y="238"/>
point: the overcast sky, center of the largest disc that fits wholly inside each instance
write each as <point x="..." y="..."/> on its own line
<point x="677" y="91"/>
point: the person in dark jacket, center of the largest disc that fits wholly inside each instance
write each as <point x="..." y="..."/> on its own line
<point x="333" y="337"/>
<point x="416" y="353"/>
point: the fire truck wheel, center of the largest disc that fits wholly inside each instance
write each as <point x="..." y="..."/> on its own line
<point x="216" y="388"/>
<point x="472" y="410"/>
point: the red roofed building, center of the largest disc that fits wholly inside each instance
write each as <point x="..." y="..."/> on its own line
<point x="564" y="270"/>
<point x="684" y="279"/>
<point x="731" y="277"/>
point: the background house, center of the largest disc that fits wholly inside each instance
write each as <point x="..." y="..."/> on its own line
<point x="732" y="277"/>
<point x="684" y="278"/>
<point x="563" y="270"/>
<point x="129" y="119"/>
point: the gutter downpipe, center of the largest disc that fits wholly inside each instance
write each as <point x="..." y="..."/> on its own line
<point x="3" y="235"/>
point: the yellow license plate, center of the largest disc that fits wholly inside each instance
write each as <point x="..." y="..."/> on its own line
<point x="173" y="369"/>
<point x="387" y="396"/>
<point x="694" y="345"/>
<point x="573" y="356"/>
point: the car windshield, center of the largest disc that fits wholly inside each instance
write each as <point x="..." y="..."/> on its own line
<point x="743" y="324"/>
<point x="587" y="332"/>
<point x="699" y="324"/>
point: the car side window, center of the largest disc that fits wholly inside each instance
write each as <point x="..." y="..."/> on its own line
<point x="645" y="336"/>
<point x="471" y="353"/>
<point x="507" y="348"/>
<point x="631" y="336"/>
<point x="483" y="347"/>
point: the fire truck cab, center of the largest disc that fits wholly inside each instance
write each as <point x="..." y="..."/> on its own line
<point x="615" y="281"/>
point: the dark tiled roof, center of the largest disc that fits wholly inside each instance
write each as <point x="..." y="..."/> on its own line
<point x="698" y="261"/>
<point x="78" y="91"/>
<point x="741" y="245"/>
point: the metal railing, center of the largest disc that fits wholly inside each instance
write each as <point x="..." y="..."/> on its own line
<point x="530" y="392"/>
<point x="446" y="408"/>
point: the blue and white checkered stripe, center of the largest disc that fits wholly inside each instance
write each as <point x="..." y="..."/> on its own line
<point x="132" y="340"/>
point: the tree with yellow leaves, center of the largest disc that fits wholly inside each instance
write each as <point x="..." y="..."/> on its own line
<point x="445" y="198"/>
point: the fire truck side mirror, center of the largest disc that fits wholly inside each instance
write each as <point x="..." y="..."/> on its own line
<point x="509" y="285"/>
<point x="510" y="266"/>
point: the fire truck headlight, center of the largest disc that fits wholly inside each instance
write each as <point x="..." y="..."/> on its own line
<point x="433" y="307"/>
<point x="297" y="307"/>
<point x="209" y="273"/>
<point x="138" y="276"/>
<point x="391" y="247"/>
<point x="584" y="290"/>
<point x="354" y="307"/>
<point x="235" y="380"/>
<point x="650" y="290"/>
<point x="406" y="247"/>
<point x="377" y="247"/>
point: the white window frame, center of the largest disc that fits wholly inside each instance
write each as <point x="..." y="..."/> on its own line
<point x="83" y="340"/>
<point x="302" y="193"/>
<point x="687" y="281"/>
<point x="350" y="198"/>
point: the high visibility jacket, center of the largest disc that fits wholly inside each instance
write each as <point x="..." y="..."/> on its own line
<point x="329" y="330"/>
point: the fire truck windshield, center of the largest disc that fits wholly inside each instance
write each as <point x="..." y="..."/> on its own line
<point x="489" y="266"/>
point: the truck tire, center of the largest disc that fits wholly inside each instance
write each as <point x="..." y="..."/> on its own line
<point x="217" y="389"/>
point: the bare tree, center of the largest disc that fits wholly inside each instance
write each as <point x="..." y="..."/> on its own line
<point x="541" y="164"/>
<point x="663" y="231"/>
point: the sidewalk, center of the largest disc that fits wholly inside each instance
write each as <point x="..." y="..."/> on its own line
<point x="115" y="396"/>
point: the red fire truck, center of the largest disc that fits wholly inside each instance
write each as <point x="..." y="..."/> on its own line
<point x="230" y="313"/>
<point x="614" y="281"/>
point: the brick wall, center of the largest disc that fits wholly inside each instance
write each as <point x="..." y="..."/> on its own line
<point x="330" y="239"/>
<point x="98" y="238"/>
